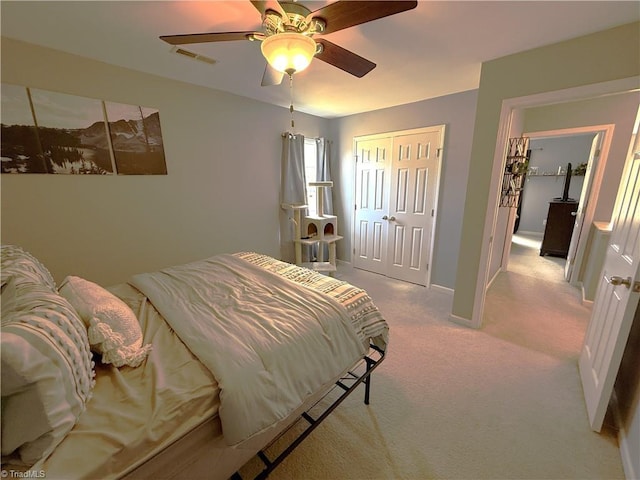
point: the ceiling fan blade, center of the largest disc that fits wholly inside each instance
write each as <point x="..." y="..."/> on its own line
<point x="344" y="59"/>
<point x="348" y="13"/>
<point x="206" y="37"/>
<point x="263" y="6"/>
<point x="271" y="76"/>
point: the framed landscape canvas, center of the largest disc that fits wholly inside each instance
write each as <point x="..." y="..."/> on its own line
<point x="136" y="138"/>
<point x="72" y="132"/>
<point x="20" y="148"/>
<point x="52" y="132"/>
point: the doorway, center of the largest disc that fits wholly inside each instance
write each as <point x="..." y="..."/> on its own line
<point x="586" y="150"/>
<point x="397" y="183"/>
<point x="510" y="124"/>
<point x="590" y="146"/>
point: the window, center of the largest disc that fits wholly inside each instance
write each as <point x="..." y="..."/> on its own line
<point x="310" y="172"/>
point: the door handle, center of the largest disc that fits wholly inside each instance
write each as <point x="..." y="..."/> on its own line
<point x="615" y="281"/>
<point x="392" y="219"/>
<point x="385" y="218"/>
<point x="573" y="214"/>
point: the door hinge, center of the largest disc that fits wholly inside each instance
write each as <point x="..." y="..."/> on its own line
<point x="438" y="152"/>
<point x="355" y="207"/>
<point x="432" y="212"/>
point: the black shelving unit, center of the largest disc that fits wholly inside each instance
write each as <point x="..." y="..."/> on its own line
<point x="514" y="171"/>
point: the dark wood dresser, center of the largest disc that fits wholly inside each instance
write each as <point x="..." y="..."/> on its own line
<point x="559" y="228"/>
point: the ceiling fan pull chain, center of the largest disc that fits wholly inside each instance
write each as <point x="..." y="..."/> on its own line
<point x="291" y="98"/>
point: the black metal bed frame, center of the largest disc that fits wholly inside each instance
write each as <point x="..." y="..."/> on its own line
<point x="348" y="383"/>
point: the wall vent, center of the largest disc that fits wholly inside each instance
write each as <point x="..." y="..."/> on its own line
<point x="192" y="55"/>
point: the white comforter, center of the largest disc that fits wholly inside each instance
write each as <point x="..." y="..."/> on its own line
<point x="269" y="342"/>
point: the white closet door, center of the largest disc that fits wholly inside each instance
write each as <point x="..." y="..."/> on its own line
<point x="396" y="195"/>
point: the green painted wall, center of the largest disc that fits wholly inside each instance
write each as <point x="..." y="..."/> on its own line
<point x="604" y="56"/>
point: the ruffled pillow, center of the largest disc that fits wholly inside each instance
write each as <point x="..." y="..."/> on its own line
<point x="114" y="331"/>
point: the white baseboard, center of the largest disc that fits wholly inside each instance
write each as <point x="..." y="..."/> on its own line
<point x="631" y="470"/>
<point x="465" y="322"/>
<point x="441" y="289"/>
<point x="627" y="457"/>
<point x="493" y="278"/>
<point x="585" y="300"/>
<point x="344" y="263"/>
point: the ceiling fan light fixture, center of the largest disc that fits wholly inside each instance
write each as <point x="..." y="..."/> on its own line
<point x="288" y="52"/>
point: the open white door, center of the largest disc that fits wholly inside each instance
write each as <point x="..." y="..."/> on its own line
<point x="617" y="296"/>
<point x="578" y="227"/>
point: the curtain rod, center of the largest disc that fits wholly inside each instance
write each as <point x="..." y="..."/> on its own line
<point x="284" y="134"/>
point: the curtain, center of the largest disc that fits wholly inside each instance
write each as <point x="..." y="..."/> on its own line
<point x="323" y="169"/>
<point x="323" y="173"/>
<point x="293" y="191"/>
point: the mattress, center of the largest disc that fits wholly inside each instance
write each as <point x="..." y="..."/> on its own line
<point x="161" y="418"/>
<point x="135" y="413"/>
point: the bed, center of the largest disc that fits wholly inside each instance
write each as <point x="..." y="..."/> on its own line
<point x="114" y="383"/>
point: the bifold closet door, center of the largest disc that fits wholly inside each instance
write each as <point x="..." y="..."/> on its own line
<point x="373" y="167"/>
<point x="414" y="176"/>
<point x="396" y="192"/>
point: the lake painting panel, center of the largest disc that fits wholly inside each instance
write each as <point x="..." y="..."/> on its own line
<point x="20" y="149"/>
<point x="136" y="139"/>
<point x="73" y="133"/>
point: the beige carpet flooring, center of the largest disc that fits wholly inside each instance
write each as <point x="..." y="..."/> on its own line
<point x="449" y="402"/>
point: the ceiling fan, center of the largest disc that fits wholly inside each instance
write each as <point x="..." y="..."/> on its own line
<point x="289" y="28"/>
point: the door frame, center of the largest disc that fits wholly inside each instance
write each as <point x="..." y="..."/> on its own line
<point x="510" y="125"/>
<point x="595" y="180"/>
<point x="576" y="249"/>
<point x="440" y="155"/>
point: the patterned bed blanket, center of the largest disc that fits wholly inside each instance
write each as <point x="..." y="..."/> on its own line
<point x="369" y="323"/>
<point x="269" y="334"/>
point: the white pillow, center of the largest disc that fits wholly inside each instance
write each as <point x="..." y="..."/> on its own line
<point x="114" y="330"/>
<point x="8" y="302"/>
<point x="26" y="268"/>
<point x="46" y="366"/>
<point x="47" y="373"/>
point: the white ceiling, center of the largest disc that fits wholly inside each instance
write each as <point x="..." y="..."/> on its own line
<point x="433" y="50"/>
